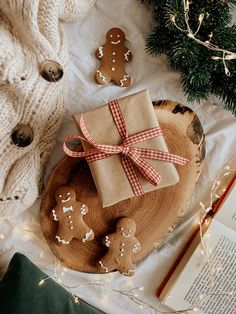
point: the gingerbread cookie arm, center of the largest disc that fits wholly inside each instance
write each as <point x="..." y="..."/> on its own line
<point x="136" y="247"/>
<point x="99" y="53"/>
<point x="56" y="213"/>
<point x="127" y="55"/>
<point x="82" y="208"/>
<point x="108" y="240"/>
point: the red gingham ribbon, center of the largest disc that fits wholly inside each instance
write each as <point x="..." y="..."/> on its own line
<point x="131" y="156"/>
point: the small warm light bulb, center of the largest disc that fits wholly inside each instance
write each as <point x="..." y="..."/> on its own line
<point x="172" y="18"/>
<point x="190" y="35"/>
<point x="77" y="300"/>
<point x="41" y="282"/>
<point x="215" y="58"/>
<point x="201" y="17"/>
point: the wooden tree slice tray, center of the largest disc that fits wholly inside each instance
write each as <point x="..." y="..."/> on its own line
<point x="155" y="213"/>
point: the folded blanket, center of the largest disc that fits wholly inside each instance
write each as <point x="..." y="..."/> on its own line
<point x="21" y="293"/>
<point x="33" y="66"/>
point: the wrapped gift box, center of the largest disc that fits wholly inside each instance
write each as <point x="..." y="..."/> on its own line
<point x="109" y="175"/>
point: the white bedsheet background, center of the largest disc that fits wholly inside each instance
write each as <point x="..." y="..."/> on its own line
<point x="163" y="83"/>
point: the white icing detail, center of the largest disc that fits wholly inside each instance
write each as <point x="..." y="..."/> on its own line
<point x="70" y="222"/>
<point x="113" y="60"/>
<point x="71" y="227"/>
<point x="122" y="244"/>
<point x="83" y="209"/>
<point x="130" y="271"/>
<point x="124" y="79"/>
<point x="61" y="240"/>
<point x="87" y="235"/>
<point x="121" y="254"/>
<point x="66" y="209"/>
<point x="113" y="69"/>
<point x="69" y="217"/>
<point x="107" y="242"/>
<point x="118" y="35"/>
<point x="115" y="42"/>
<point x="126" y="235"/>
<point x="68" y="193"/>
<point x="113" y="53"/>
<point x="54" y="215"/>
<point x="122" y="250"/>
<point x="126" y="55"/>
<point x="135" y="248"/>
<point x="102" y="77"/>
<point x="66" y="200"/>
<point x="100" y="52"/>
<point x="103" y="267"/>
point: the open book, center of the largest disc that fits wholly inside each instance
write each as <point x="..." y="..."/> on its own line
<point x="189" y="280"/>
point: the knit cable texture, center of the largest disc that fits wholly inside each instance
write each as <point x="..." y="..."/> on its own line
<point x="30" y="33"/>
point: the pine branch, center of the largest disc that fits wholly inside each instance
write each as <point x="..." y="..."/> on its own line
<point x="200" y="43"/>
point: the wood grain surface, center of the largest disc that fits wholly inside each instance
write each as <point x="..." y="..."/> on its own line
<point x="155" y="213"/>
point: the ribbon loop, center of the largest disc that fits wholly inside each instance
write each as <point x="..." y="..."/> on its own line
<point x="131" y="156"/>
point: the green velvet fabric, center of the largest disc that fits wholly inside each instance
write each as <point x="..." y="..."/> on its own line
<point x="20" y="293"/>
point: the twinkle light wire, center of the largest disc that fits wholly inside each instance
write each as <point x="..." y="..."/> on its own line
<point x="134" y="293"/>
<point x="226" y="54"/>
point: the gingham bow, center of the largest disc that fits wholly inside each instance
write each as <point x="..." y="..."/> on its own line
<point x="131" y="156"/>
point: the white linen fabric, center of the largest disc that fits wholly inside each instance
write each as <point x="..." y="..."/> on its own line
<point x="163" y="83"/>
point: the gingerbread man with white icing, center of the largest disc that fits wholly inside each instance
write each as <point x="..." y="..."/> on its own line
<point x="69" y="214"/>
<point x="122" y="245"/>
<point x="113" y="55"/>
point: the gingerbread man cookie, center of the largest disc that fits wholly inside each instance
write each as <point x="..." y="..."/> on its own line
<point x="113" y="55"/>
<point x="69" y="215"/>
<point x="121" y="246"/>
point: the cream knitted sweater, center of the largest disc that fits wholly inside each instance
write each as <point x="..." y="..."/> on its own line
<point x="30" y="33"/>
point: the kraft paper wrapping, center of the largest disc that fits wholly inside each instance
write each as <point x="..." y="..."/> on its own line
<point x="109" y="176"/>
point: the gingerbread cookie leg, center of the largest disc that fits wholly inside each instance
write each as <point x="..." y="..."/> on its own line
<point x="123" y="79"/>
<point x="126" y="268"/>
<point x="106" y="264"/>
<point x="102" y="77"/>
<point x="63" y="237"/>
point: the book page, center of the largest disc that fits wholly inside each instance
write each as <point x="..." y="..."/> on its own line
<point x="227" y="212"/>
<point x="194" y="281"/>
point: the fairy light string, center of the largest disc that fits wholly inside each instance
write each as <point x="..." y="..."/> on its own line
<point x="226" y="54"/>
<point x="134" y="294"/>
